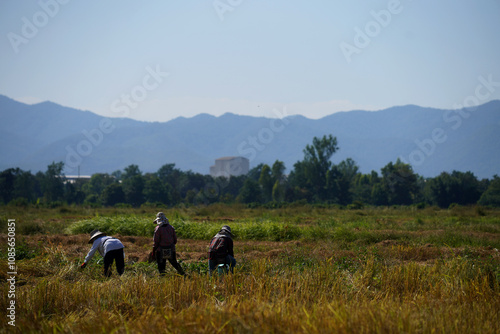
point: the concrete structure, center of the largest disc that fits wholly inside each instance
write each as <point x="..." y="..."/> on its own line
<point x="230" y="166"/>
<point x="75" y="178"/>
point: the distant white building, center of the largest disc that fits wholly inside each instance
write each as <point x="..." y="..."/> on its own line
<point x="75" y="178"/>
<point x="230" y="166"/>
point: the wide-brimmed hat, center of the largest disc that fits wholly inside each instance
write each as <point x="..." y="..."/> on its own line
<point x="161" y="219"/>
<point x="227" y="229"/>
<point x="94" y="235"/>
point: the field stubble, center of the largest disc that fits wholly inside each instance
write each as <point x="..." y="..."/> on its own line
<point x="372" y="273"/>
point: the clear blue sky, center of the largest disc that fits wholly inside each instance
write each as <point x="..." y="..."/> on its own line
<point x="249" y="56"/>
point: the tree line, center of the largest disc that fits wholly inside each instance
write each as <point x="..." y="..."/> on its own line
<point x="315" y="179"/>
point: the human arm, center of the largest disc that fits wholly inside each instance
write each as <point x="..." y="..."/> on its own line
<point x="174" y="236"/>
<point x="92" y="251"/>
<point x="156" y="239"/>
<point x="230" y="247"/>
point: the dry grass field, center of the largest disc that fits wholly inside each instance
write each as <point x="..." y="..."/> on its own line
<point x="337" y="271"/>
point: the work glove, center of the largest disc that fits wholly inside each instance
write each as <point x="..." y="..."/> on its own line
<point x="83" y="265"/>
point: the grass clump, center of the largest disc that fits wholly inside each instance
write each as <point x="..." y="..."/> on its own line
<point x="123" y="225"/>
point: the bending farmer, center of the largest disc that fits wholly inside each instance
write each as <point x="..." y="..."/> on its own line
<point x="221" y="250"/>
<point x="164" y="244"/>
<point x="111" y="249"/>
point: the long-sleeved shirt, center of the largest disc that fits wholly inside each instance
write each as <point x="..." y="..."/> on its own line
<point x="224" y="245"/>
<point x="164" y="236"/>
<point x="103" y="244"/>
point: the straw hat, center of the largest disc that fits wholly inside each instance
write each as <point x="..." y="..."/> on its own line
<point x="94" y="235"/>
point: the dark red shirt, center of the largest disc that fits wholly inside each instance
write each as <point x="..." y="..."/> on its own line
<point x="164" y="236"/>
<point x="220" y="245"/>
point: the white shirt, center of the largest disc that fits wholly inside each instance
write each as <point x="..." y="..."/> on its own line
<point x="103" y="244"/>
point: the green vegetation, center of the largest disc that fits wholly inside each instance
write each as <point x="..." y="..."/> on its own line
<point x="314" y="180"/>
<point x="362" y="230"/>
<point x="458" y="226"/>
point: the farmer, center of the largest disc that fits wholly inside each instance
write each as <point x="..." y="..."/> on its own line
<point x="164" y="244"/>
<point x="221" y="250"/>
<point x="111" y="249"/>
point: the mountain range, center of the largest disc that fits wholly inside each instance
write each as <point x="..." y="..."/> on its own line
<point x="431" y="140"/>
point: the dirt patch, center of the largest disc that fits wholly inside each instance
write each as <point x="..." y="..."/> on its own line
<point x="387" y="243"/>
<point x="483" y="235"/>
<point x="137" y="249"/>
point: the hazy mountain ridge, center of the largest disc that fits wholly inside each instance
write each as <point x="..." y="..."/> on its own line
<point x="33" y="136"/>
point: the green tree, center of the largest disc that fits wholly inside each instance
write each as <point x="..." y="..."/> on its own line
<point x="379" y="194"/>
<point x="298" y="186"/>
<point x="52" y="182"/>
<point x="192" y="181"/>
<point x="254" y="173"/>
<point x="117" y="174"/>
<point x="155" y="191"/>
<point x="170" y="177"/>
<point x="73" y="193"/>
<point x="332" y="185"/>
<point x="8" y="180"/>
<point x="279" y="191"/>
<point x="457" y="187"/>
<point x="470" y="187"/>
<point x="113" y="194"/>
<point x="266" y="183"/>
<point x="400" y="183"/>
<point x="491" y="196"/>
<point x="26" y="186"/>
<point x="278" y="171"/>
<point x="166" y="172"/>
<point x="250" y="192"/>
<point x="317" y="163"/>
<point x="363" y="187"/>
<point x="191" y="196"/>
<point x="279" y="181"/>
<point x="169" y="174"/>
<point x="340" y="181"/>
<point x="97" y="183"/>
<point x="230" y="189"/>
<point x="133" y="185"/>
